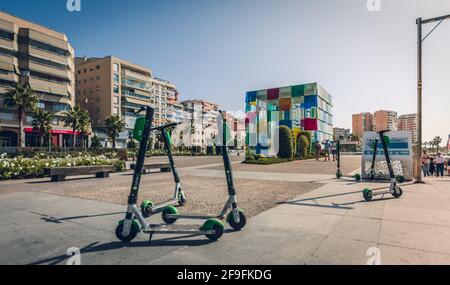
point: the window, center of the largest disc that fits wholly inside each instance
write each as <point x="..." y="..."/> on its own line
<point x="97" y="88"/>
<point x="60" y="107"/>
<point x="43" y="46"/>
<point x="116" y="78"/>
<point x="79" y="72"/>
<point x="116" y="100"/>
<point x="41" y="105"/>
<point x="116" y="89"/>
<point x="115" y="111"/>
<point x="55" y="121"/>
<point x="85" y="81"/>
<point x="91" y="68"/>
<point x="97" y="67"/>
<point x="98" y="78"/>
<point x="116" y="67"/>
<point x="6" y="35"/>
<point x="85" y="70"/>
<point x="91" y="79"/>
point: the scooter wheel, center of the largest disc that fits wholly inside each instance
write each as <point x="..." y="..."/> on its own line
<point x="169" y="211"/>
<point x="131" y="236"/>
<point x="398" y="193"/>
<point x="242" y="221"/>
<point x="357" y="177"/>
<point x="146" y="207"/>
<point x="218" y="232"/>
<point x="339" y="174"/>
<point x="371" y="176"/>
<point x="368" y="195"/>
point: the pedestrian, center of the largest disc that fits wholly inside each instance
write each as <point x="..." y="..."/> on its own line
<point x="318" y="149"/>
<point x="326" y="150"/>
<point x="426" y="163"/>
<point x="334" y="150"/>
<point x="432" y="166"/>
<point x="440" y="165"/>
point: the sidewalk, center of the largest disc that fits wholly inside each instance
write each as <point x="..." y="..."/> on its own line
<point x="330" y="225"/>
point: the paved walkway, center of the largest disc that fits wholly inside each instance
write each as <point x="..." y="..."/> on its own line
<point x="331" y="225"/>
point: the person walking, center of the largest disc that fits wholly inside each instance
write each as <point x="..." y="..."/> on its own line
<point x="440" y="165"/>
<point x="327" y="146"/>
<point x="426" y="163"/>
<point x="334" y="150"/>
<point x="432" y="166"/>
<point x="318" y="149"/>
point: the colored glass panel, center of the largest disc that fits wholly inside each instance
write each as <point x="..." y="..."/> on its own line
<point x="273" y="94"/>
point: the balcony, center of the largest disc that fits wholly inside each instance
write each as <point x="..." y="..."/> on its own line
<point x="135" y="75"/>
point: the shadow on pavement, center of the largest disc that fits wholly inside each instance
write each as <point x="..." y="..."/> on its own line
<point x="55" y="220"/>
<point x="178" y="241"/>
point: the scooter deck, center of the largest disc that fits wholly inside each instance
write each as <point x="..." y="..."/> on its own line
<point x="176" y="229"/>
<point x="195" y="217"/>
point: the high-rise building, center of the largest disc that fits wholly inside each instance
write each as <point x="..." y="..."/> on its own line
<point x="301" y="107"/>
<point x="385" y="120"/>
<point x="44" y="59"/>
<point x="362" y="123"/>
<point x="112" y="86"/>
<point x="409" y="123"/>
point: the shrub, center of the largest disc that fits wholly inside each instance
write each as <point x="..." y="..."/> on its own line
<point x="308" y="135"/>
<point x="302" y="146"/>
<point x="285" y="145"/>
<point x="95" y="142"/>
<point x="20" y="167"/>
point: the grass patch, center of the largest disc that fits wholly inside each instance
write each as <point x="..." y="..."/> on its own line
<point x="256" y="160"/>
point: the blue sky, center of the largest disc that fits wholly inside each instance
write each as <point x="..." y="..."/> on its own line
<point x="219" y="49"/>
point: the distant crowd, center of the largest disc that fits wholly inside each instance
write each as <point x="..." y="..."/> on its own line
<point x="435" y="166"/>
<point x="327" y="148"/>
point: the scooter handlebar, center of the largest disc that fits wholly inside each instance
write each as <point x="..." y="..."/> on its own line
<point x="171" y="125"/>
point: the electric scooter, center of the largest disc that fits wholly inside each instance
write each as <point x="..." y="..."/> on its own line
<point x="394" y="189"/>
<point x="236" y="217"/>
<point x="134" y="222"/>
<point x="371" y="174"/>
<point x="148" y="208"/>
<point x="339" y="174"/>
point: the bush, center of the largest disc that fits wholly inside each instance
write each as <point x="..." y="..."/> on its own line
<point x="95" y="142"/>
<point x="267" y="161"/>
<point x="285" y="145"/>
<point x="20" y="167"/>
<point x="302" y="146"/>
<point x="308" y="135"/>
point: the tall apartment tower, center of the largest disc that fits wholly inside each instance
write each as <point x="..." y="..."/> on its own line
<point x="112" y="86"/>
<point x="385" y="120"/>
<point x="43" y="58"/>
<point x="362" y="123"/>
<point x="409" y="123"/>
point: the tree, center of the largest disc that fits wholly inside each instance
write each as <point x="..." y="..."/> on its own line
<point x="114" y="126"/>
<point x="42" y="121"/>
<point x="285" y="146"/>
<point x="437" y="143"/>
<point x="84" y="125"/>
<point x="354" y="138"/>
<point x="23" y="99"/>
<point x="95" y="143"/>
<point x="78" y="120"/>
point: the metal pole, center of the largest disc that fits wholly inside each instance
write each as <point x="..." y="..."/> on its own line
<point x="419" y="102"/>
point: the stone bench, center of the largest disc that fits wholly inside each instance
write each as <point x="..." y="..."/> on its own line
<point x="164" y="167"/>
<point x="59" y="174"/>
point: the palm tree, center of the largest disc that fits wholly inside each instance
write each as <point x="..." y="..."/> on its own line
<point x="77" y="119"/>
<point x="114" y="126"/>
<point x="437" y="143"/>
<point x="22" y="97"/>
<point x="84" y="125"/>
<point x="42" y="121"/>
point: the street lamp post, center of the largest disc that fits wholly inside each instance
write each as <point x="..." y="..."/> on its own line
<point x="420" y="22"/>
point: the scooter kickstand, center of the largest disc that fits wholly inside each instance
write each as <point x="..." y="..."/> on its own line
<point x="150" y="239"/>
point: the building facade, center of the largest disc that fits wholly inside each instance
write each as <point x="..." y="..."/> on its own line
<point x="362" y="123"/>
<point x="44" y="59"/>
<point x="341" y="133"/>
<point x="409" y="123"/>
<point x="385" y="120"/>
<point x="112" y="86"/>
<point x="306" y="107"/>
<point x="200" y="123"/>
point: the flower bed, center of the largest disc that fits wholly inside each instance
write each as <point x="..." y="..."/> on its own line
<point x="20" y="167"/>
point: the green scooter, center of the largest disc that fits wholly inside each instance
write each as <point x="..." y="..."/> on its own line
<point x="339" y="174"/>
<point x="394" y="189"/>
<point x="148" y="208"/>
<point x="134" y="222"/>
<point x="236" y="217"/>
